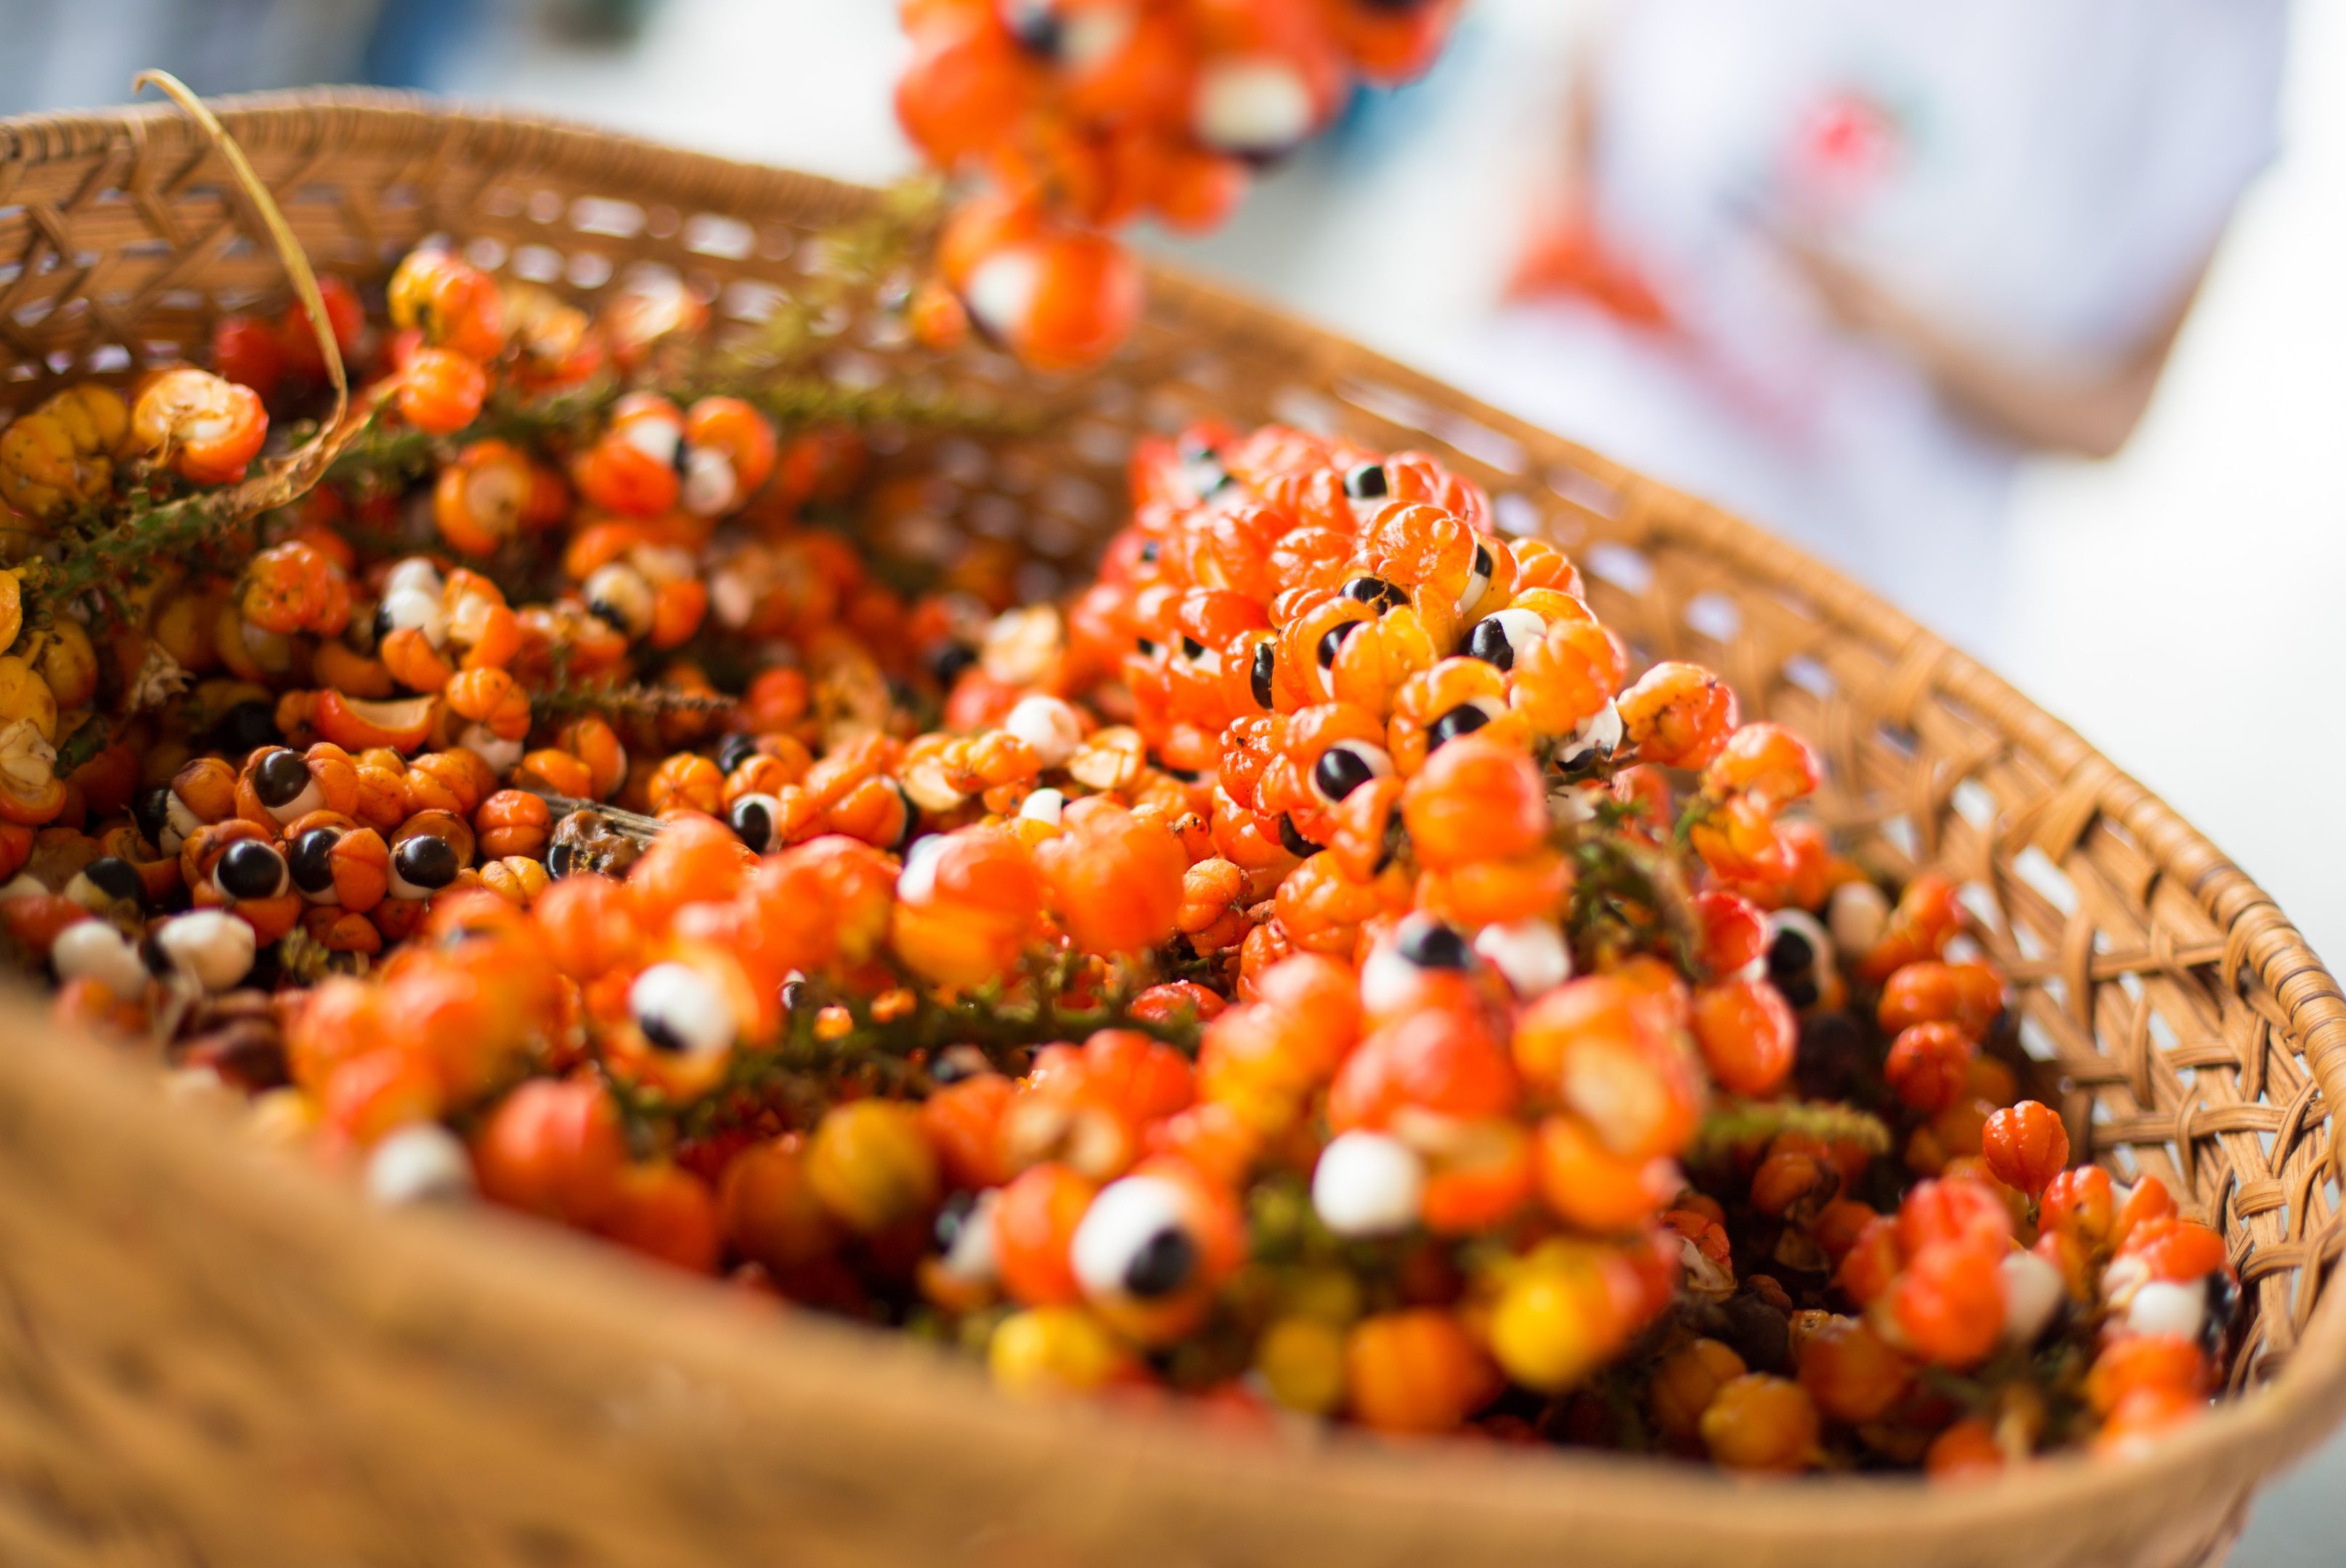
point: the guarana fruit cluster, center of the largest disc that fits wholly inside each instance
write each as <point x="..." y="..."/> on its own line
<point x="1300" y="970"/>
<point x="1073" y="118"/>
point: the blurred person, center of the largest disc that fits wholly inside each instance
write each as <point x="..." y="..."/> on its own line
<point x="1840" y="265"/>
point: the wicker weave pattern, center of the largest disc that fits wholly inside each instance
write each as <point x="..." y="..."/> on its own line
<point x="205" y="1359"/>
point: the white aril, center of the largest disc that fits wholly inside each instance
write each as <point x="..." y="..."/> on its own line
<point x="179" y="824"/>
<point x="1135" y="1241"/>
<point x="971" y="1257"/>
<point x="709" y="487"/>
<point x="618" y="593"/>
<point x="1388" y="981"/>
<point x="1572" y="804"/>
<point x="1367" y="1183"/>
<point x="421" y="1163"/>
<point x="416" y="573"/>
<point x="1042" y="806"/>
<point x="680" y="1009"/>
<point x="1597" y="738"/>
<point x="500" y="754"/>
<point x="2164" y="1306"/>
<point x="211" y="947"/>
<point x="404" y="609"/>
<point x="1002" y="289"/>
<point x="93" y="949"/>
<point x="1092" y="35"/>
<point x="1048" y="724"/>
<point x="656" y="439"/>
<point x="1857" y="916"/>
<point x="917" y="882"/>
<point x="1478" y="582"/>
<point x="1252" y="106"/>
<point x="1531" y="953"/>
<point x="2031" y="1295"/>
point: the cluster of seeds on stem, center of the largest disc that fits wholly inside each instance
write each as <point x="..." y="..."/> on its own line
<point x="1075" y="118"/>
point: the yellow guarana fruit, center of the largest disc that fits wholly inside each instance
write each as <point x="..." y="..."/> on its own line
<point x="67" y="660"/>
<point x="870" y="1166"/>
<point x="1301" y="1362"/>
<point x="12" y="608"/>
<point x="1053" y="1351"/>
<point x="24" y="695"/>
<point x="61" y="455"/>
<point x="186" y="625"/>
<point x="1555" y="1320"/>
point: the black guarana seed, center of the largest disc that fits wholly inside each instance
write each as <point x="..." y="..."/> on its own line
<point x="1368" y="482"/>
<point x="1755" y="1330"/>
<point x="1792" y="966"/>
<point x="251" y="869"/>
<point x="1791" y="952"/>
<point x="1147" y="646"/>
<point x="952" y="1219"/>
<point x="113" y="876"/>
<point x="152" y="811"/>
<point x="912" y="820"/>
<point x="560" y="861"/>
<point x="1150" y="550"/>
<point x="949" y="662"/>
<point x="427" y="861"/>
<point x="794" y="995"/>
<point x="157" y="960"/>
<point x="1295" y="842"/>
<point x="606" y="612"/>
<point x="246" y="727"/>
<point x="2223" y="1307"/>
<point x="1266" y="663"/>
<point x="661" y="1035"/>
<point x="380" y="628"/>
<point x="1192" y="646"/>
<point x="1166" y="1262"/>
<point x="280" y="777"/>
<point x="737" y="750"/>
<point x="1430" y="944"/>
<point x="1333" y="640"/>
<point x="1464" y="719"/>
<point x="311" y="860"/>
<point x="1488" y="642"/>
<point x="752" y="819"/>
<point x="1483" y="565"/>
<point x="1339" y="772"/>
<point x="1376" y="592"/>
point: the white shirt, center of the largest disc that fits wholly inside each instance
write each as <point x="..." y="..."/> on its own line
<point x="2048" y="177"/>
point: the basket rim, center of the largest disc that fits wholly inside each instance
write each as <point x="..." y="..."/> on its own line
<point x="412" y="1255"/>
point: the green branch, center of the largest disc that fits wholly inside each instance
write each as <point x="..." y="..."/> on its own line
<point x="1740" y="1123"/>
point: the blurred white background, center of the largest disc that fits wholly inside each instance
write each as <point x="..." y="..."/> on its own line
<point x="2177" y="605"/>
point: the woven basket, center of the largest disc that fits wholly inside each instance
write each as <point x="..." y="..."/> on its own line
<point x="208" y="1356"/>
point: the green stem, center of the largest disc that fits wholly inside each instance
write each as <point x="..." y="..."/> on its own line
<point x="1733" y="1123"/>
